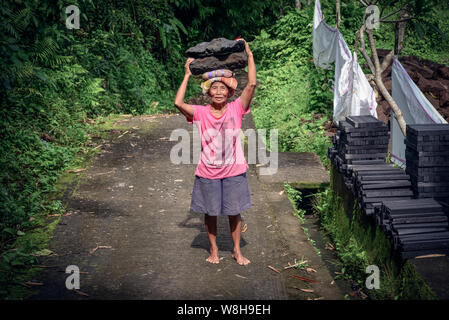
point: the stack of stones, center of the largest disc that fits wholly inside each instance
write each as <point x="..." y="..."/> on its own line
<point x="427" y="160"/>
<point x="360" y="140"/>
<point x="416" y="227"/>
<point x="219" y="53"/>
<point x="359" y="153"/>
<point x="373" y="184"/>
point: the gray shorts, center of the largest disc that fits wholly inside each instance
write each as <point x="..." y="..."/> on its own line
<point x="228" y="196"/>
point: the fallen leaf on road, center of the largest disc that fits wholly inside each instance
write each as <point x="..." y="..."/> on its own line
<point x="363" y="295"/>
<point x="296" y="264"/>
<point x="42" y="253"/>
<point x="178" y="180"/>
<point x="306" y="290"/>
<point x="239" y="276"/>
<point x="81" y="293"/>
<point x="245" y="227"/>
<point x="123" y="134"/>
<point x="435" y="255"/>
<point x="329" y="246"/>
<point x="304" y="279"/>
<point x="76" y="170"/>
<point x="99" y="247"/>
<point x="274" y="269"/>
<point x="310" y="270"/>
<point x="332" y="282"/>
<point x="31" y="283"/>
<point x="281" y="193"/>
<point x="319" y="298"/>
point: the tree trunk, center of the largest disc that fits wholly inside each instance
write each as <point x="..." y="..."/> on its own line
<point x="399" y="32"/>
<point x="380" y="85"/>
<point x="337" y="9"/>
<point x="397" y="112"/>
<point x="298" y="4"/>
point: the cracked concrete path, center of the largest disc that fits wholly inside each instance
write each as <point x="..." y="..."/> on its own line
<point x="133" y="203"/>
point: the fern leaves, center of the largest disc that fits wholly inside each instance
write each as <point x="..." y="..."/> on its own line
<point x="15" y="23"/>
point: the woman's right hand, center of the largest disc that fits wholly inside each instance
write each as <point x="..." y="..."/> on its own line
<point x="187" y="67"/>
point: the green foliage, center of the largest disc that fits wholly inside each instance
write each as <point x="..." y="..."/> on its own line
<point x="426" y="35"/>
<point x="295" y="197"/>
<point x="207" y="19"/>
<point x="52" y="80"/>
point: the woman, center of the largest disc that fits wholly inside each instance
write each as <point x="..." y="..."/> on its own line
<point x="221" y="186"/>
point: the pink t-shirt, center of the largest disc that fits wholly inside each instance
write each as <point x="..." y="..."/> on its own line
<point x="221" y="150"/>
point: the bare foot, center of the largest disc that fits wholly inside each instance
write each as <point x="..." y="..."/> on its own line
<point x="213" y="258"/>
<point x="241" y="260"/>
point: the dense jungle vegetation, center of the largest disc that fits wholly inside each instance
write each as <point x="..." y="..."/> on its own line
<point x="127" y="58"/>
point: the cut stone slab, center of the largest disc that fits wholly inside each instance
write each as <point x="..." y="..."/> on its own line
<point x="233" y="61"/>
<point x="215" y="47"/>
<point x="434" y="273"/>
<point x="303" y="170"/>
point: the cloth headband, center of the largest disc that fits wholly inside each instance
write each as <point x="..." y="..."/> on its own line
<point x="229" y="82"/>
<point x="217" y="73"/>
<point x="222" y="75"/>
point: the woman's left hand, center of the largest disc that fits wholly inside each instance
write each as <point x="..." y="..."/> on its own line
<point x="247" y="49"/>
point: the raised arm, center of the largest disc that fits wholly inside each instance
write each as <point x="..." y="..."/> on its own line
<point x="186" y="109"/>
<point x="248" y="92"/>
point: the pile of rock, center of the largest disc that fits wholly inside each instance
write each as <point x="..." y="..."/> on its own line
<point x="220" y="53"/>
<point x="431" y="78"/>
<point x="416" y="227"/>
<point x="427" y="159"/>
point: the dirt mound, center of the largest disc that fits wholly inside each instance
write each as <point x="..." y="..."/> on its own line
<point x="431" y="78"/>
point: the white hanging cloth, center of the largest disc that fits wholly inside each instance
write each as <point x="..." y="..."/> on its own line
<point x="414" y="106"/>
<point x="352" y="93"/>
